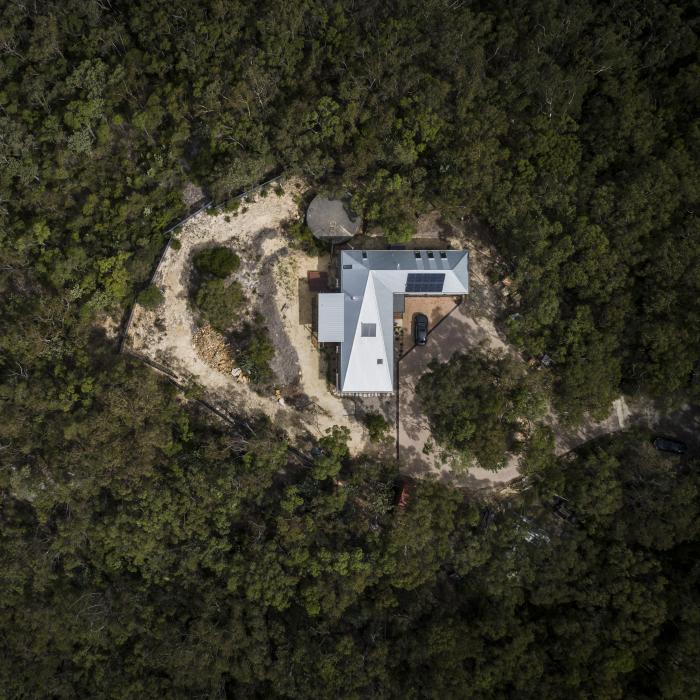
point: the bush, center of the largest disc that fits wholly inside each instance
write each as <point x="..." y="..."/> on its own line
<point x="255" y="353"/>
<point x="377" y="426"/>
<point x="219" y="303"/>
<point x="175" y="243"/>
<point x="151" y="297"/>
<point x="219" y="262"/>
<point x="302" y="238"/>
<point x="478" y="404"/>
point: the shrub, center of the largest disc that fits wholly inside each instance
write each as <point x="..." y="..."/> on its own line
<point x="279" y="190"/>
<point x="151" y="297"/>
<point x="219" y="303"/>
<point x="219" y="262"/>
<point x="255" y="353"/>
<point x="377" y="426"/>
<point x="175" y="243"/>
<point x="302" y="238"/>
<point x="478" y="404"/>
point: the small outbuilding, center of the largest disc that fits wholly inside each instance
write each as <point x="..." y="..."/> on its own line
<point x="331" y="220"/>
<point x="331" y="318"/>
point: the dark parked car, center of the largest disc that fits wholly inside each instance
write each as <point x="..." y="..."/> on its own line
<point x="420" y="329"/>
<point x="669" y="445"/>
<point x="562" y="508"/>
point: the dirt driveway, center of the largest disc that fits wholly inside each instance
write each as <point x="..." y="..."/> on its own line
<point x="457" y="332"/>
<point x="470" y="325"/>
<point x="434" y="308"/>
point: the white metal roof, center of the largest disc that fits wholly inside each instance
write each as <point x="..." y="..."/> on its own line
<point x="369" y="281"/>
<point x="331" y="326"/>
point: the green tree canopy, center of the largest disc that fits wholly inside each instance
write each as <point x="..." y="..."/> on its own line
<point x="217" y="261"/>
<point x="478" y="403"/>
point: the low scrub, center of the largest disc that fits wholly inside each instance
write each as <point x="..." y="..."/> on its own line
<point x="151" y="297"/>
<point x="219" y="303"/>
<point x="218" y="262"/>
<point x="255" y="352"/>
<point x="301" y="238"/>
<point x="377" y="426"/>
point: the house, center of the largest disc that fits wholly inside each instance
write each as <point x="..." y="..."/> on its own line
<point x="360" y="317"/>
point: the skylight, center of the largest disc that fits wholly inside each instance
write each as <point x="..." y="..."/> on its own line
<point x="369" y="330"/>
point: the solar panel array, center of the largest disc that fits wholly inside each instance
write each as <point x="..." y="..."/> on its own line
<point x="421" y="283"/>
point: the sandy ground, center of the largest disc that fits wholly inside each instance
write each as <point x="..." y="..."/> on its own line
<point x="681" y="422"/>
<point x="268" y="274"/>
<point x="109" y="325"/>
<point x="295" y="303"/>
<point x="274" y="279"/>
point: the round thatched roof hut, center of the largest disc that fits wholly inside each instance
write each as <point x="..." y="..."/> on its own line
<point x="331" y="220"/>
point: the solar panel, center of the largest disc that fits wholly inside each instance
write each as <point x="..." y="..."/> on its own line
<point x="425" y="283"/>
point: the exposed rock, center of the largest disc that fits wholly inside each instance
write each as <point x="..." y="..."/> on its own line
<point x="214" y="350"/>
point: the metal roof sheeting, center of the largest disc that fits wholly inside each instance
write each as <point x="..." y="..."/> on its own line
<point x="330" y="219"/>
<point x="370" y="282"/>
<point x="331" y="322"/>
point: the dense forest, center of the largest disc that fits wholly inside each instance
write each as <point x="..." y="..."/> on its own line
<point x="148" y="551"/>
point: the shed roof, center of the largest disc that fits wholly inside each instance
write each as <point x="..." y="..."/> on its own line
<point x="330" y="219"/>
<point x="331" y="312"/>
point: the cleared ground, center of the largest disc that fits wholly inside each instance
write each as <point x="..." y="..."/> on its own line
<point x="470" y="325"/>
<point x="275" y="281"/>
<point x="435" y="309"/>
<point x="269" y="274"/>
<point x="456" y="333"/>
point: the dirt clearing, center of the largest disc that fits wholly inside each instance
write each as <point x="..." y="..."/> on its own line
<point x="268" y="275"/>
<point x="469" y="326"/>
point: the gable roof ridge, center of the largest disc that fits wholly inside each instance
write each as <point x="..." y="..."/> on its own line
<point x="377" y="314"/>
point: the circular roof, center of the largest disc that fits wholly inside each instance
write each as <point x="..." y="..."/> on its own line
<point x="330" y="219"/>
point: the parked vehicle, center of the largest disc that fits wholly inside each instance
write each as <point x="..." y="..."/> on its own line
<point x="420" y="329"/>
<point x="562" y="508"/>
<point x="665" y="444"/>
